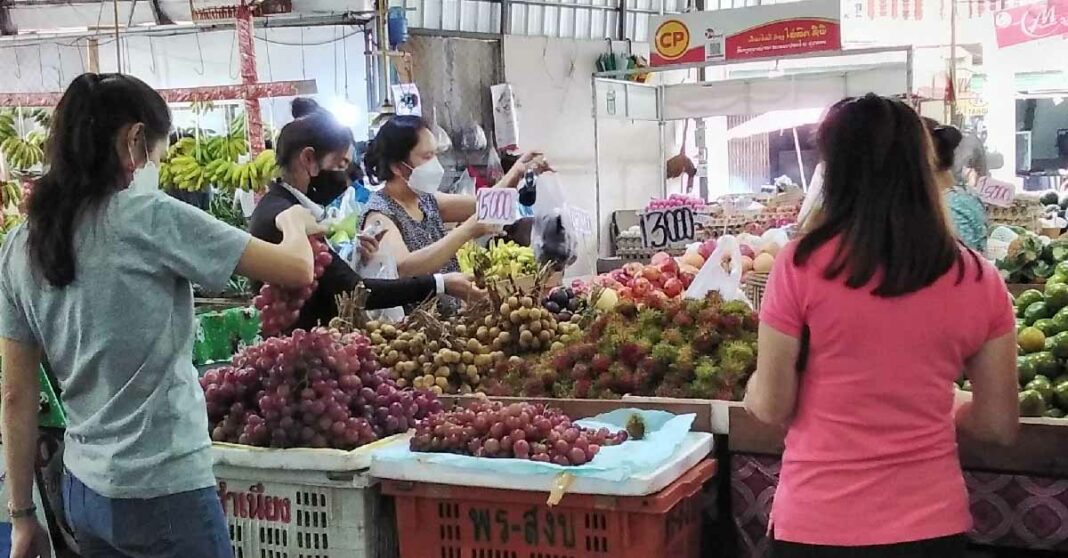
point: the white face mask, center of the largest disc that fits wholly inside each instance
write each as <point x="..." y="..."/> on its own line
<point x="146" y="178"/>
<point x="426" y="178"/>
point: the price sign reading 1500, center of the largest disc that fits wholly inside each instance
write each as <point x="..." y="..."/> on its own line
<point x="496" y="206"/>
<point x="667" y="227"/>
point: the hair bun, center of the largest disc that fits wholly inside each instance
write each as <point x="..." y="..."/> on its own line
<point x="303" y="106"/>
<point x="949" y="135"/>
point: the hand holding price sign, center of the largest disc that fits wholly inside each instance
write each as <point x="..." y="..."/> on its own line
<point x="496" y="206"/>
<point x="667" y="228"/>
<point x="996" y="192"/>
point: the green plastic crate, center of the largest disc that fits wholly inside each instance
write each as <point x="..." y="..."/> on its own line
<point x="51" y="414"/>
<point x="223" y="333"/>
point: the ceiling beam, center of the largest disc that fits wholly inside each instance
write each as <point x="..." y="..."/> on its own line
<point x="7" y="25"/>
<point x="157" y="12"/>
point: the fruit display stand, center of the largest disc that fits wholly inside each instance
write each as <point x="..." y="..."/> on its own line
<point x="320" y="503"/>
<point x="1019" y="494"/>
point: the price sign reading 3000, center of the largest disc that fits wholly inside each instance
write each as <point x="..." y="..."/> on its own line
<point x="496" y="206"/>
<point x="667" y="227"/>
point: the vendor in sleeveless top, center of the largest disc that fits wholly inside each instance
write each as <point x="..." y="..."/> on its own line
<point x="314" y="157"/>
<point x="403" y="157"/>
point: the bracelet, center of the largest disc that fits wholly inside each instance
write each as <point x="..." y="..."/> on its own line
<point x="21" y="513"/>
<point x="439" y="283"/>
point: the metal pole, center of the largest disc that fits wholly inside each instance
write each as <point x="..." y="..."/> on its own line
<point x="800" y="161"/>
<point x="596" y="166"/>
<point x="118" y="47"/>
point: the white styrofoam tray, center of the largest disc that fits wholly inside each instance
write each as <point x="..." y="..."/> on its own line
<point x="695" y="447"/>
<point x="297" y="459"/>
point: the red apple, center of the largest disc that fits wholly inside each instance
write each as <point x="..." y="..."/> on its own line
<point x="706" y="248"/>
<point x="652" y="273"/>
<point x="660" y="257"/>
<point x="673" y="287"/>
<point x="625" y="293"/>
<point x="633" y="269"/>
<point x="687" y="278"/>
<point x="669" y="267"/>
<point x="747" y="251"/>
<point x="641" y="286"/>
<point x="619" y="275"/>
<point x="655" y="299"/>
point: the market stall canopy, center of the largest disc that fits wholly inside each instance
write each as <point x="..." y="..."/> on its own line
<point x="783" y="93"/>
<point x="774" y="121"/>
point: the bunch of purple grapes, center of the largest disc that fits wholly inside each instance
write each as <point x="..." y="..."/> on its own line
<point x="313" y="389"/>
<point x="280" y="307"/>
<point x="517" y="431"/>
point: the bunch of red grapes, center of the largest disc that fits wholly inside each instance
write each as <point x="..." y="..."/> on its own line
<point x="313" y="389"/>
<point x="280" y="307"/>
<point x="518" y="431"/>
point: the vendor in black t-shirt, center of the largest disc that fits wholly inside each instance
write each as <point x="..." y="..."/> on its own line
<point x="314" y="155"/>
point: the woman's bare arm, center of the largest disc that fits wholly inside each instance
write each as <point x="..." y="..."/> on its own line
<point x="771" y="395"/>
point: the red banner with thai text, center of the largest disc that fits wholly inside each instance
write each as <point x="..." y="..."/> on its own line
<point x="785" y="38"/>
<point x="1032" y="22"/>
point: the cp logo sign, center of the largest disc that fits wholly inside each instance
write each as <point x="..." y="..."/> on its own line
<point x="672" y="39"/>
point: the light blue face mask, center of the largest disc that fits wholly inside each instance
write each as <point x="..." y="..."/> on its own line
<point x="146" y="178"/>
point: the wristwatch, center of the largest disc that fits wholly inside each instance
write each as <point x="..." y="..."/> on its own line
<point x="21" y="513"/>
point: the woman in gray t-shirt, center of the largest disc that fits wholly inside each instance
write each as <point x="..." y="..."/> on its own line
<point x="98" y="282"/>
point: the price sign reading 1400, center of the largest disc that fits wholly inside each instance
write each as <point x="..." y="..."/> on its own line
<point x="667" y="227"/>
<point x="496" y="206"/>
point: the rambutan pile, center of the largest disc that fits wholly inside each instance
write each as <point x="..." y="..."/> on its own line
<point x="702" y="349"/>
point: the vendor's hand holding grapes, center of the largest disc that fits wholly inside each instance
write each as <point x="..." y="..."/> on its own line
<point x="462" y="286"/>
<point x="299" y="216"/>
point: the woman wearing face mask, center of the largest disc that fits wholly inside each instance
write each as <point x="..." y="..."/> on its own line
<point x="314" y="153"/>
<point x="404" y="156"/>
<point x="98" y="281"/>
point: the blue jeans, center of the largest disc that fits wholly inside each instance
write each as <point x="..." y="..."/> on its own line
<point x="185" y="525"/>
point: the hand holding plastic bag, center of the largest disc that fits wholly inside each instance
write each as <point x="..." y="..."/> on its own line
<point x="713" y="277"/>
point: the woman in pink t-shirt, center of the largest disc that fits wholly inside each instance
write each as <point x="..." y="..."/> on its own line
<point x="892" y="309"/>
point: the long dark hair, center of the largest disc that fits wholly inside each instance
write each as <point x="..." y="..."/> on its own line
<point x="393" y="144"/>
<point x="84" y="167"/>
<point x="312" y="126"/>
<point x="880" y="200"/>
<point x="945" y="140"/>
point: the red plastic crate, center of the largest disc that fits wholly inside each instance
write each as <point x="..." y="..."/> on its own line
<point x="440" y="521"/>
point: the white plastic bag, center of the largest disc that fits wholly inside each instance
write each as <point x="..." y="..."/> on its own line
<point x="381" y="266"/>
<point x="713" y="277"/>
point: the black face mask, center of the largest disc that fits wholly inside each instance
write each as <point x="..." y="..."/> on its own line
<point x="325" y="187"/>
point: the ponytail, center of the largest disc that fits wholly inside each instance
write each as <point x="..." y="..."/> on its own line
<point x="84" y="168"/>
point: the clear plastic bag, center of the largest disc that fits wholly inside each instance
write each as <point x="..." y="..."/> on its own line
<point x="552" y="237"/>
<point x="382" y="266"/>
<point x="713" y="276"/>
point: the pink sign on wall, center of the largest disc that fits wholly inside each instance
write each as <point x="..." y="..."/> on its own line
<point x="1031" y="22"/>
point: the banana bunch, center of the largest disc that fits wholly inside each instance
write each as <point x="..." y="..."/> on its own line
<point x="10" y="194"/>
<point x="502" y="259"/>
<point x="9" y="219"/>
<point x="7" y="125"/>
<point x="253" y="175"/>
<point x="23" y="153"/>
<point x="184" y="172"/>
